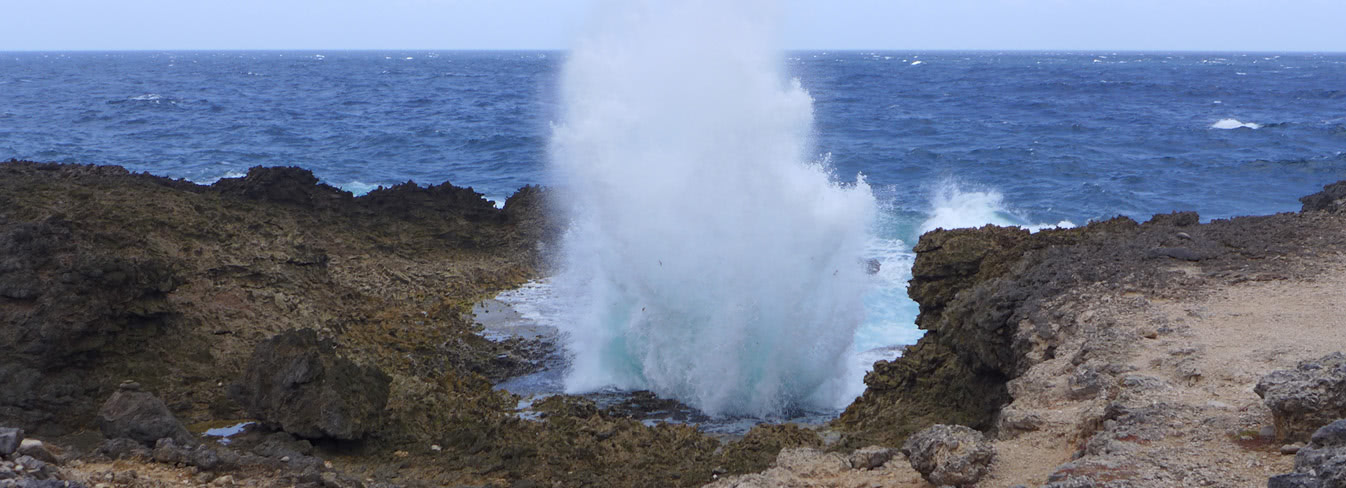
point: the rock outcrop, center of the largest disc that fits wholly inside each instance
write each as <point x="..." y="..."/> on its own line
<point x="949" y="455"/>
<point x="140" y="416"/>
<point x="1331" y="199"/>
<point x="297" y="383"/>
<point x="1305" y="398"/>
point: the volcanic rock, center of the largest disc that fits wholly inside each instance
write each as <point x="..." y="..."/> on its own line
<point x="1322" y="463"/>
<point x="297" y="383"/>
<point x="1331" y="199"/>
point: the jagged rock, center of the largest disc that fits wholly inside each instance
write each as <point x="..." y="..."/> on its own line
<point x="1307" y="397"/>
<point x="297" y="383"/>
<point x="139" y="415"/>
<point x="1176" y="219"/>
<point x="1332" y="198"/>
<point x="949" y="454"/>
<point x="1322" y="463"/>
<point x="286" y="185"/>
<point x="871" y="457"/>
<point x="10" y="440"/>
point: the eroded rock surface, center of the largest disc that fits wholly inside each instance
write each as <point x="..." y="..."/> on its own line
<point x="1307" y="397"/>
<point x="949" y="455"/>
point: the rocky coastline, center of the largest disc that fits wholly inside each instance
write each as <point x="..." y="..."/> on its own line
<point x="138" y="311"/>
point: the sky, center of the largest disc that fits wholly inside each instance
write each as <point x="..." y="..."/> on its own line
<point x="1167" y="25"/>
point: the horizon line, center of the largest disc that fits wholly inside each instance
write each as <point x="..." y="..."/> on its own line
<point x="787" y="50"/>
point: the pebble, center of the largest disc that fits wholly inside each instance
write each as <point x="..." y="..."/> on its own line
<point x="1289" y="449"/>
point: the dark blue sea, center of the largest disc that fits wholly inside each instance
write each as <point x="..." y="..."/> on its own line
<point x="944" y="138"/>
<point x="1060" y="136"/>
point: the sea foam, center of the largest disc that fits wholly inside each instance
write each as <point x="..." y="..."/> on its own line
<point x="1229" y="124"/>
<point x="709" y="258"/>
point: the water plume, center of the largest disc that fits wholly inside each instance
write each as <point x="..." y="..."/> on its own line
<point x="710" y="258"/>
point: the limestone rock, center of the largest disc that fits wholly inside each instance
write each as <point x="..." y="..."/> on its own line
<point x="297" y="383"/>
<point x="1307" y="397"/>
<point x="949" y="454"/>
<point x="139" y="415"/>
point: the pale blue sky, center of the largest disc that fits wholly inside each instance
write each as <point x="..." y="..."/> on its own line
<point x="1223" y="25"/>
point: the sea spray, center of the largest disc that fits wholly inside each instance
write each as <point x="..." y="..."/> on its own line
<point x="710" y="258"/>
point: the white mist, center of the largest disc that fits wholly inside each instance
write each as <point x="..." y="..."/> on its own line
<point x="709" y="258"/>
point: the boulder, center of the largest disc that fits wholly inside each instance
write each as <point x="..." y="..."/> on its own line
<point x="297" y="383"/>
<point x="10" y="439"/>
<point x="1305" y="398"/>
<point x="949" y="455"/>
<point x="1322" y="463"/>
<point x="139" y="415"/>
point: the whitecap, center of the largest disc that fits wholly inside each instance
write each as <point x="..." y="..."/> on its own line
<point x="917" y="62"/>
<point x="358" y="188"/>
<point x="210" y="180"/>
<point x="1229" y="124"/>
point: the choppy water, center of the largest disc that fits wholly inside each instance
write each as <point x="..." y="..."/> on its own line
<point x="944" y="138"/>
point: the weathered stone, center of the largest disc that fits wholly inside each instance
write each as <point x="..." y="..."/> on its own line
<point x="297" y="383"/>
<point x="871" y="457"/>
<point x="1307" y="397"/>
<point x="10" y="439"/>
<point x="139" y="415"/>
<point x="949" y="454"/>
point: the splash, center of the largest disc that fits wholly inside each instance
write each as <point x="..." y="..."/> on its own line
<point x="954" y="207"/>
<point x="709" y="258"/>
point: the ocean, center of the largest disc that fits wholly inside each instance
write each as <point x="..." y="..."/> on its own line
<point x="943" y="139"/>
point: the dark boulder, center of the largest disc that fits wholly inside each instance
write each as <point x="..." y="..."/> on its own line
<point x="297" y="383"/>
<point x="139" y="415"/>
<point x="1305" y="398"/>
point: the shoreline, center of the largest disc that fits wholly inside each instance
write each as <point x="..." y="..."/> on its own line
<point x="1051" y="343"/>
